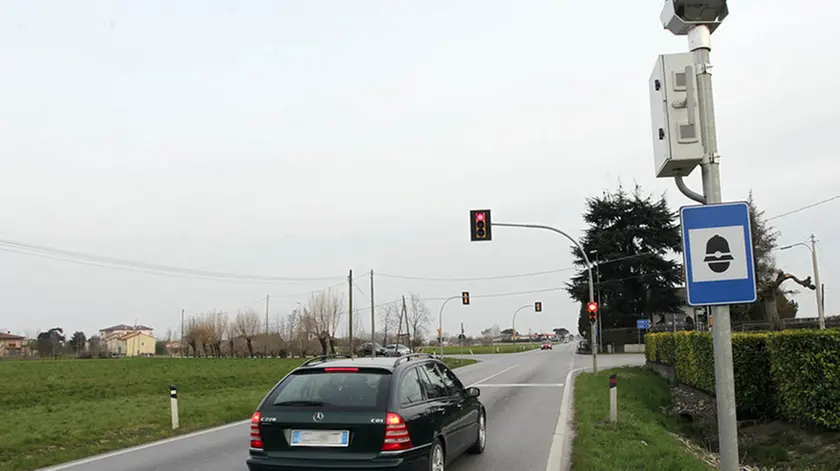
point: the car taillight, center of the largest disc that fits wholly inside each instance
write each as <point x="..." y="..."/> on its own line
<point x="396" y="434"/>
<point x="256" y="439"/>
<point x="341" y="370"/>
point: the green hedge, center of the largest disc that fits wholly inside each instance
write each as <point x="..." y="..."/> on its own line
<point x="805" y="365"/>
<point x="793" y="375"/>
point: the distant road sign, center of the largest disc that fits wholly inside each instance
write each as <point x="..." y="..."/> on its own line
<point x="643" y="323"/>
<point x="718" y="254"/>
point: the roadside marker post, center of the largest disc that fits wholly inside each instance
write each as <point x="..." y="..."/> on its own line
<point x="173" y="401"/>
<point x="613" y="399"/>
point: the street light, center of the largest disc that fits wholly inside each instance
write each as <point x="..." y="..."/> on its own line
<point x="440" y="319"/>
<point x="513" y="334"/>
<point x="820" y="300"/>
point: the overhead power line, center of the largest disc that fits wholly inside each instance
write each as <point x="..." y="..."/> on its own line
<point x="514" y="275"/>
<point x="143" y="267"/>
<point x="803" y="208"/>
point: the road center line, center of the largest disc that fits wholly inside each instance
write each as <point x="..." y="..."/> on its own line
<point x="478" y="383"/>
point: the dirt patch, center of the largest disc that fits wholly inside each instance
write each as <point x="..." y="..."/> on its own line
<point x="763" y="445"/>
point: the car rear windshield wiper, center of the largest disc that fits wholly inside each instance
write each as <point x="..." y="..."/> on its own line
<point x="301" y="403"/>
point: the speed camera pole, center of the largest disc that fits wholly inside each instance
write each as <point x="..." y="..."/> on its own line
<point x="697" y="19"/>
<point x="699" y="39"/>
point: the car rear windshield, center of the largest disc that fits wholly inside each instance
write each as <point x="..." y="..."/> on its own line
<point x="346" y="390"/>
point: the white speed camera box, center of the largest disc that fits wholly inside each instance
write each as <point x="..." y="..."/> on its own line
<point x="675" y="116"/>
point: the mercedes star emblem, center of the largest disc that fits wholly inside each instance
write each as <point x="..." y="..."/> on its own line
<point x="318" y="417"/>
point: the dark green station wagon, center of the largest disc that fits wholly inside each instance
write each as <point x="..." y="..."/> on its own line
<point x="339" y="413"/>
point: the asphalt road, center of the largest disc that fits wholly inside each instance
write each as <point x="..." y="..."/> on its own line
<point x="522" y="393"/>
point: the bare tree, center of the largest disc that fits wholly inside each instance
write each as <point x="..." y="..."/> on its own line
<point x="193" y="333"/>
<point x="419" y="318"/>
<point x="216" y="326"/>
<point x="247" y="325"/>
<point x="322" y="317"/>
<point x="389" y="314"/>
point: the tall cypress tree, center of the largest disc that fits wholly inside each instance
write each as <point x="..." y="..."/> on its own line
<point x="633" y="234"/>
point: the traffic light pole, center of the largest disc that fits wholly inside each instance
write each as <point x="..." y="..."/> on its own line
<point x="588" y="269"/>
<point x="700" y="42"/>
<point x="440" y="322"/>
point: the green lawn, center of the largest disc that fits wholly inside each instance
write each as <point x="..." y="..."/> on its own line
<point x="60" y="410"/>
<point x="483" y="349"/>
<point x="641" y="439"/>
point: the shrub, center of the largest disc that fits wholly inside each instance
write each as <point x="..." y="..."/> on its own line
<point x="805" y="365"/>
<point x="691" y="354"/>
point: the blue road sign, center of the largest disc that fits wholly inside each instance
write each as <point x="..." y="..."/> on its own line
<point x="718" y="254"/>
<point x="643" y="323"/>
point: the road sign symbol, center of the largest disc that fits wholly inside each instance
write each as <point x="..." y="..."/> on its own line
<point x="643" y="323"/>
<point x="718" y="254"/>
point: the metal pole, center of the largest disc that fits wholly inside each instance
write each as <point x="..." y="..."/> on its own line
<point x="372" y="319"/>
<point x="440" y="321"/>
<point x="181" y="343"/>
<point x="588" y="270"/>
<point x="820" y="305"/>
<point x="700" y="43"/>
<point x="266" y="313"/>
<point x="350" y="310"/>
<point x="514" y="325"/>
<point x="600" y="302"/>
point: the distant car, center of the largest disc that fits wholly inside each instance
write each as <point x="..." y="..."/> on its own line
<point x="546" y="346"/>
<point x="404" y="414"/>
<point x="583" y="347"/>
<point x="397" y="350"/>
<point x="368" y="349"/>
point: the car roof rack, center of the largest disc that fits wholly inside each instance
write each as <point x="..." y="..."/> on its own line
<point x="410" y="356"/>
<point x="324" y="358"/>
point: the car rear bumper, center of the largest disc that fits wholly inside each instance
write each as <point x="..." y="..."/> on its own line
<point x="407" y="463"/>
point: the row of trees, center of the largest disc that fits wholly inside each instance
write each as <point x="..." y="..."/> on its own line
<point x="637" y="239"/>
<point x="310" y="329"/>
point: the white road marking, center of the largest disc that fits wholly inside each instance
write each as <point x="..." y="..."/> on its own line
<point x="558" y="443"/>
<point x="112" y="454"/>
<point x="124" y="451"/>
<point x="522" y="385"/>
<point x="478" y="383"/>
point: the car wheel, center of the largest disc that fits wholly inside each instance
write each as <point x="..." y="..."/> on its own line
<point x="481" y="439"/>
<point x="437" y="459"/>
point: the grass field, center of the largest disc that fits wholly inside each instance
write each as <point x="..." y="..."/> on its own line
<point x="483" y="349"/>
<point x="641" y="438"/>
<point x="60" y="410"/>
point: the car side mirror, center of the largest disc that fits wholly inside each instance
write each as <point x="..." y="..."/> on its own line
<point x="473" y="392"/>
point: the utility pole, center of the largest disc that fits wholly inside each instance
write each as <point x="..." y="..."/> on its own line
<point x="372" y="319"/>
<point x="266" y="314"/>
<point x="181" y="342"/>
<point x="350" y="310"/>
<point x="819" y="290"/>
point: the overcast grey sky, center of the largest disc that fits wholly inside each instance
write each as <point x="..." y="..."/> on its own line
<point x="306" y="138"/>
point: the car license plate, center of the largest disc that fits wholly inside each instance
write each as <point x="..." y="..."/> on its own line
<point x="336" y="438"/>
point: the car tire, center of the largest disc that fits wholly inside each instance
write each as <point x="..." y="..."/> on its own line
<point x="481" y="440"/>
<point x="437" y="457"/>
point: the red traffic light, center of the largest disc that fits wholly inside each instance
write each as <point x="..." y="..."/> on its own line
<point x="479" y="217"/>
<point x="592" y="306"/>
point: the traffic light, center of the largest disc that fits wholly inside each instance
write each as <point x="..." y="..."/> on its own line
<point x="465" y="298"/>
<point x="480" y="227"/>
<point x="592" y="307"/>
<point x="538" y="306"/>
